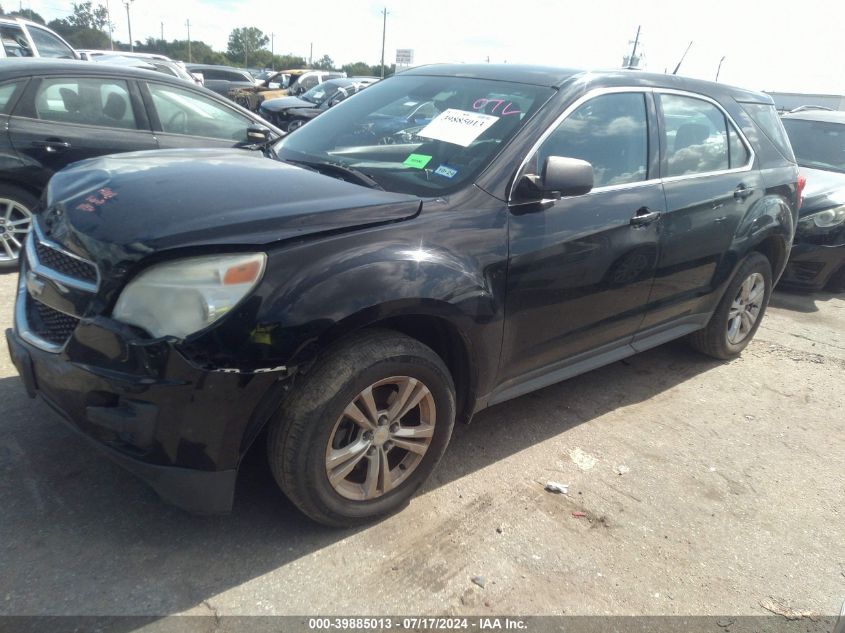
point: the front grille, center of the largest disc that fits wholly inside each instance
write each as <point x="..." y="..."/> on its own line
<point x="48" y="324"/>
<point x="65" y="264"/>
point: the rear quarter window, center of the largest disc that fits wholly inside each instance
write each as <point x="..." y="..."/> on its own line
<point x="766" y="118"/>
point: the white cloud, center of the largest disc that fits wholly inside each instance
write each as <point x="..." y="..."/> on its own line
<point x="766" y="46"/>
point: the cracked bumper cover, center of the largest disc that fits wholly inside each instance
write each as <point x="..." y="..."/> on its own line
<point x="180" y="428"/>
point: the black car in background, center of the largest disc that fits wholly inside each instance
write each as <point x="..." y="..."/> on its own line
<point x="355" y="298"/>
<point x="290" y="113"/>
<point x="222" y="79"/>
<point x="54" y="113"/>
<point x="817" y="260"/>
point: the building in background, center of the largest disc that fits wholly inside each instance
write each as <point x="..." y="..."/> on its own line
<point x="786" y="101"/>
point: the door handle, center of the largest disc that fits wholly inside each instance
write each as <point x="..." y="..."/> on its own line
<point x="52" y="146"/>
<point x="742" y="192"/>
<point x="644" y="216"/>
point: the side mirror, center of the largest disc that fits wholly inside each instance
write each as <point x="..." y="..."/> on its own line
<point x="257" y="134"/>
<point x="569" y="176"/>
<point x="199" y="78"/>
<point x="560" y="176"/>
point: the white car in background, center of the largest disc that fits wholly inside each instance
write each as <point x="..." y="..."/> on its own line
<point x="23" y="38"/>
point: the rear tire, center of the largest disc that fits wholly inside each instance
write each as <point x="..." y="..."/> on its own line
<point x="16" y="208"/>
<point x="337" y="447"/>
<point x="739" y="313"/>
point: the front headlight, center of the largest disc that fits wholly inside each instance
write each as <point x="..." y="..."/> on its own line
<point x="823" y="219"/>
<point x="184" y="296"/>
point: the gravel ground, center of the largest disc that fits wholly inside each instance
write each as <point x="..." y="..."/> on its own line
<point x="706" y="488"/>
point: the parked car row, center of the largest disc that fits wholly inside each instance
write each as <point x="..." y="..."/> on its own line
<point x="290" y="113"/>
<point x="442" y="241"/>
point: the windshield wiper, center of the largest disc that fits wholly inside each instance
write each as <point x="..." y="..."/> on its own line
<point x="327" y="168"/>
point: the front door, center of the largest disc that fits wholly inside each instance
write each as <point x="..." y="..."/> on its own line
<point x="183" y="117"/>
<point x="580" y="272"/>
<point x="61" y="120"/>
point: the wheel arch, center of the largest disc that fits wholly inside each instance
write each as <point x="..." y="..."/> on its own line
<point x="435" y="324"/>
<point x="23" y="185"/>
<point x="767" y="228"/>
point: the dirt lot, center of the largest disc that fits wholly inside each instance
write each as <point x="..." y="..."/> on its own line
<point x="732" y="491"/>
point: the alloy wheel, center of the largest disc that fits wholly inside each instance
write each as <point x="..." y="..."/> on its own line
<point x="746" y="307"/>
<point x="380" y="438"/>
<point x="15" y="222"/>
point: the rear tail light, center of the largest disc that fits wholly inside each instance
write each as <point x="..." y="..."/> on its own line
<point x="799" y="191"/>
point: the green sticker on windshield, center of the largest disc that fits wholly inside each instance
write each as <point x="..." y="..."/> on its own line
<point x="417" y="161"/>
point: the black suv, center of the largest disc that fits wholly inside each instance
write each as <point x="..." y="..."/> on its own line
<point x="355" y="297"/>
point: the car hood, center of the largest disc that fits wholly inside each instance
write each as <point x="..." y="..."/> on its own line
<point x="824" y="189"/>
<point x="118" y="209"/>
<point x="283" y="103"/>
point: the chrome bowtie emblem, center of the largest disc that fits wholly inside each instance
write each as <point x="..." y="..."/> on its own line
<point x="34" y="285"/>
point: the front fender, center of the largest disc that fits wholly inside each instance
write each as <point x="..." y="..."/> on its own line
<point x="445" y="268"/>
<point x="345" y="291"/>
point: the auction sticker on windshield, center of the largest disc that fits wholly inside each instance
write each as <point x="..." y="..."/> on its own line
<point x="457" y="126"/>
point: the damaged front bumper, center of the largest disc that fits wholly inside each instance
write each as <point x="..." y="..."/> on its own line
<point x="180" y="427"/>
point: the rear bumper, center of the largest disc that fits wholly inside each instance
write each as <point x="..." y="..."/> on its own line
<point x="811" y="266"/>
<point x="181" y="429"/>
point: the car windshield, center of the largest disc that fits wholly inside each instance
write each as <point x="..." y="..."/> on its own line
<point x="418" y="134"/>
<point x="320" y="92"/>
<point x="817" y="144"/>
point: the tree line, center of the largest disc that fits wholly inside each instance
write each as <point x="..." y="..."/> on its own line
<point x="87" y="27"/>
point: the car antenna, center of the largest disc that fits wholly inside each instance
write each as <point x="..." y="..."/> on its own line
<point x="678" y="67"/>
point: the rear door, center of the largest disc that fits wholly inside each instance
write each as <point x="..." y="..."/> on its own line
<point x="710" y="182"/>
<point x="60" y="120"/>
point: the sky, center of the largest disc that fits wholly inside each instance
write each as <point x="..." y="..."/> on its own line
<point x="775" y="46"/>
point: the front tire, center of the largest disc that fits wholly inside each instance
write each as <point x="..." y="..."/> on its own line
<point x="16" y="207"/>
<point x="740" y="311"/>
<point x="363" y="429"/>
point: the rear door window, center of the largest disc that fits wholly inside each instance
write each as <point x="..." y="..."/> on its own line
<point x="85" y="101"/>
<point x="14" y="41"/>
<point x="695" y="136"/>
<point x="739" y="154"/>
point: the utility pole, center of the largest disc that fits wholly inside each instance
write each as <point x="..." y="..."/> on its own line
<point x="383" y="36"/>
<point x="272" y="51"/>
<point x="108" y="16"/>
<point x="719" y="69"/>
<point x="162" y="31"/>
<point x="188" y="24"/>
<point x="311" y="55"/>
<point x="129" y="22"/>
